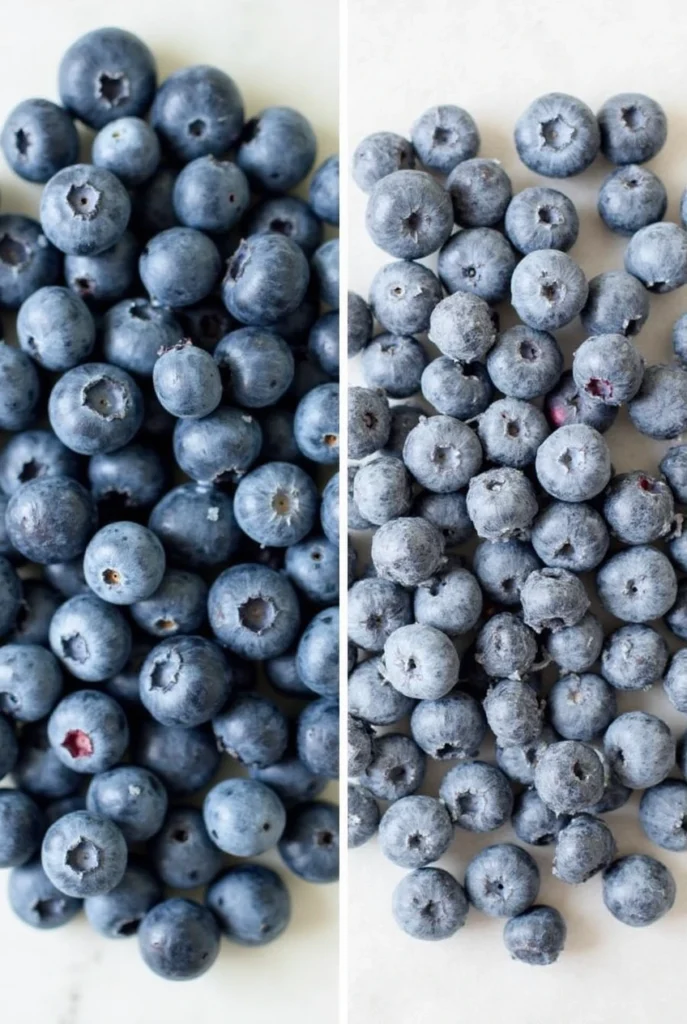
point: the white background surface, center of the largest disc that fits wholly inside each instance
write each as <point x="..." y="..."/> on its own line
<point x="278" y="54"/>
<point x="493" y="58"/>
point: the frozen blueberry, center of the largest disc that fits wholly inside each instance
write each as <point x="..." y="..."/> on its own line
<point x="608" y="368"/>
<point x="442" y="453"/>
<point x="277" y="148"/>
<point x="535" y="937"/>
<point x="451" y="601"/>
<point x="372" y="698"/>
<point x="580" y="707"/>
<point x="639" y="508"/>
<point x="369" y="422"/>
<point x="518" y="761"/>
<point x="421" y="662"/>
<point x="415" y="831"/>
<point x="573" y="463"/>
<point x="407" y="550"/>
<point x="409" y="214"/>
<point x="557" y="136"/>
<point x="55" y="328"/>
<point x="479" y="261"/>
<point x="662" y="812"/>
<point x="502" y="567"/>
<point x="449" y="728"/>
<point x="630" y="198"/>
<point x="36" y="901"/>
<point x="132" y="797"/>
<point x="30" y="681"/>
<point x="637" y="585"/>
<point x="21" y="826"/>
<point x="634" y="657"/>
<point x="511" y="431"/>
<point x="323" y="192"/>
<point x="198" y="111"/>
<point x="617" y="303"/>
<point x="548" y="289"/>
<point x="502" y="880"/>
<point x="525" y="363"/>
<point x="397" y="768"/>
<point x="639" y="748"/>
<point x="394" y="364"/>
<point x="541" y="218"/>
<point x="659" y="410"/>
<point x="674" y="468"/>
<point x="569" y="535"/>
<point x="553" y="599"/>
<point x="185" y="759"/>
<point x="38" y="139"/>
<point x="309" y="846"/>
<point x="429" y="904"/>
<point x="402" y="297"/>
<point x="359" y="323"/>
<point x="638" y="890"/>
<point x="359" y="745"/>
<point x="501" y="504"/>
<point x="448" y="512"/>
<point x="458" y="389"/>
<point x="505" y="647"/>
<point x="178" y="939"/>
<point x="106" y="74"/>
<point x="382" y="489"/>
<point x="569" y="776"/>
<point x="513" y="712"/>
<point x="84" y="854"/>
<point x="376" y="607"/>
<point x="633" y="128"/>
<point x="253" y="611"/>
<point x="675" y="680"/>
<point x="584" y="846"/>
<point x="566" y="405"/>
<point x="363" y="816"/>
<point x="480" y="191"/>
<point x="445" y="136"/>
<point x="462" y="327"/>
<point x="576" y="648"/>
<point x="84" y="210"/>
<point x="534" y="822"/>
<point x="478" y="796"/>
<point x="657" y="255"/>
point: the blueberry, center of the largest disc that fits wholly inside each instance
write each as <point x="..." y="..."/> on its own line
<point x="662" y="812"/>
<point x="415" y="831"/>
<point x="11" y="596"/>
<point x="185" y="681"/>
<point x="442" y="453"/>
<point x="573" y="463"/>
<point x="88" y="731"/>
<point x="359" y="745"/>
<point x="452" y="727"/>
<point x="448" y="512"/>
<point x="32" y="454"/>
<point x="323" y="192"/>
<point x="502" y="880"/>
<point x="355" y="519"/>
<point x="581" y="707"/>
<point x="379" y="155"/>
<point x="479" y="261"/>
<point x="584" y="846"/>
<point x="382" y="489"/>
<point x="309" y="846"/>
<point x="198" y="111"/>
<point x="501" y="504"/>
<point x="569" y="776"/>
<point x="548" y="289"/>
<point x="534" y="822"/>
<point x="566" y="406"/>
<point x="243" y="817"/>
<point x="502" y="567"/>
<point x="633" y="128"/>
<point x="95" y="408"/>
<point x="211" y="195"/>
<point x="182" y="852"/>
<point x="608" y="368"/>
<point x="402" y="297"/>
<point x="290" y="779"/>
<point x="421" y="662"/>
<point x="323" y="343"/>
<point x="132" y="797"/>
<point x="444" y="137"/>
<point x="84" y="854"/>
<point x="505" y="647"/>
<point x="313" y="566"/>
<point x="513" y="712"/>
<point x="251" y="729"/>
<point x="363" y="816"/>
<point x="50" y="519"/>
<point x="30" y="681"/>
<point x="108" y="276"/>
<point x="617" y="303"/>
<point x="184" y="759"/>
<point x="90" y="637"/>
<point x="266" y="279"/>
<point x="126" y="481"/>
<point x="541" y="218"/>
<point x="128" y="147"/>
<point x="178" y="605"/>
<point x="638" y="890"/>
<point x="217" y="448"/>
<point x="277" y="148"/>
<point x="630" y="198"/>
<point x="657" y="256"/>
<point x="639" y="748"/>
<point x="153" y="206"/>
<point x="38" y="139"/>
<point x="55" y="328"/>
<point x="84" y="210"/>
<point x="372" y="698"/>
<point x="39" y="771"/>
<point x="639" y="508"/>
<point x="634" y="657"/>
<point x="117" y="914"/>
<point x="22" y="826"/>
<point x="124" y="563"/>
<point x="461" y="326"/>
<point x="187" y="381"/>
<point x="518" y="761"/>
<point x="637" y="585"/>
<point x="254" y="611"/>
<point x="251" y="903"/>
<point x="179" y="940"/>
<point x="369" y="422"/>
<point x="215" y="534"/>
<point x="359" y="323"/>
<point x="525" y="363"/>
<point x="256" y="366"/>
<point x="397" y="768"/>
<point x="325" y="272"/>
<point x="179" y="267"/>
<point x="480" y="191"/>
<point x="317" y="738"/>
<point x="557" y="136"/>
<point x="9" y="747"/>
<point x="394" y="364"/>
<point x="106" y="74"/>
<point x="570" y="536"/>
<point x="536" y="936"/>
<point x="553" y="599"/>
<point x="454" y="388"/>
<point x="659" y="410"/>
<point x="576" y="648"/>
<point x="134" y="331"/>
<point x="317" y="657"/>
<point x="679" y="339"/>
<point x="478" y="796"/>
<point x="511" y="431"/>
<point x="450" y="601"/>
<point x="286" y="215"/>
<point x="36" y="901"/>
<point x="276" y="504"/>
<point x="409" y="214"/>
<point x="429" y="904"/>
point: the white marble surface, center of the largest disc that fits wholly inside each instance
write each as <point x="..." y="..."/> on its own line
<point x="278" y="53"/>
<point x="493" y="58"/>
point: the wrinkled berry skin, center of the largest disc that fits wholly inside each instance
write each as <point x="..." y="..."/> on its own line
<point x="639" y="508"/>
<point x="633" y="128"/>
<point x="566" y="406"/>
<point x="429" y="904"/>
<point x="569" y="776"/>
<point x="39" y="139"/>
<point x="634" y="657"/>
<point x="449" y="728"/>
<point x="106" y="74"/>
<point x="397" y="768"/>
<point x="638" y="890"/>
<point x="409" y="214"/>
<point x="513" y="712"/>
<point x="584" y="846"/>
<point x="363" y="816"/>
<point x="576" y="648"/>
<point x="421" y="662"/>
<point x="477" y="796"/>
<point x="198" y="111"/>
<point x="557" y="136"/>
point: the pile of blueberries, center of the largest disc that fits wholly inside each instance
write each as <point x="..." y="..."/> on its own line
<point x="497" y="514"/>
<point x="169" y="526"/>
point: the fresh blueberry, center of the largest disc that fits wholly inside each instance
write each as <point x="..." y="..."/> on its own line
<point x="185" y="681"/>
<point x="30" y="681"/>
<point x="32" y="454"/>
<point x="638" y="890"/>
<point x="84" y="210"/>
<point x="9" y="747"/>
<point x="184" y="759"/>
<point x="480" y="191"/>
<point x="179" y="267"/>
<point x="198" y="111"/>
<point x="659" y="410"/>
<point x="541" y="218"/>
<point x="637" y="585"/>
<point x="286" y="215"/>
<point x="38" y="139"/>
<point x="252" y="729"/>
<point x="134" y="331"/>
<point x="182" y="853"/>
<point x="634" y="657"/>
<point x="576" y="648"/>
<point x="633" y="128"/>
<point x="10" y="596"/>
<point x="39" y="771"/>
<point x="290" y="779"/>
<point x="153" y="207"/>
<point x="95" y="408"/>
<point x="573" y="463"/>
<point x="253" y="611"/>
<point x="187" y="381"/>
<point x="313" y="566"/>
<point x="21" y="828"/>
<point x="256" y="366"/>
<point x="277" y="148"/>
<point x="179" y="940"/>
<point x="316" y="426"/>
<point x="88" y="731"/>
<point x="267" y="278"/>
<point x="323" y="192"/>
<point x="129" y="148"/>
<point x="36" y="901"/>
<point x="27" y="261"/>
<point x="124" y="563"/>
<point x="243" y="817"/>
<point x="215" y="534"/>
<point x="55" y="328"/>
<point x="429" y="904"/>
<point x="502" y="880"/>
<point x="107" y="277"/>
<point x="323" y="343"/>
<point x="415" y="831"/>
<point x="409" y="214"/>
<point x="90" y="637"/>
<point x="84" y="854"/>
<point x="276" y="504"/>
<point x="132" y="797"/>
<point x="217" y="448"/>
<point x="211" y="195"/>
<point x="513" y="712"/>
<point x="317" y="738"/>
<point x="502" y="568"/>
<point x="379" y="155"/>
<point x="479" y="261"/>
<point x="178" y="605"/>
<point x="126" y="481"/>
<point x="639" y="748"/>
<point x="557" y="136"/>
<point x="117" y="914"/>
<point x="566" y="406"/>
<point x="657" y="256"/>
<point x="630" y="198"/>
<point x="325" y="271"/>
<point x="251" y="903"/>
<point x="50" y="519"/>
<point x="309" y="846"/>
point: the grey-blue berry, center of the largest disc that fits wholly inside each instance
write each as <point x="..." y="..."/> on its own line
<point x="657" y="256"/>
<point x="421" y="662"/>
<point x="445" y="136"/>
<point x="633" y="128"/>
<point x="639" y="748"/>
<point x="480" y="191"/>
<point x="548" y="289"/>
<point x="429" y="904"/>
<point x="617" y="303"/>
<point x="569" y="776"/>
<point x="573" y="463"/>
<point x="576" y="648"/>
<point x="541" y="218"/>
<point x="502" y="880"/>
<point x="630" y="198"/>
<point x="634" y="657"/>
<point x="557" y="136"/>
<point x="638" y="890"/>
<point x="478" y="796"/>
<point x="501" y="504"/>
<point x="513" y="712"/>
<point x="403" y="295"/>
<point x="584" y="846"/>
<point x="415" y="831"/>
<point x="452" y="727"/>
<point x="480" y="261"/>
<point x="637" y="585"/>
<point x="409" y="214"/>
